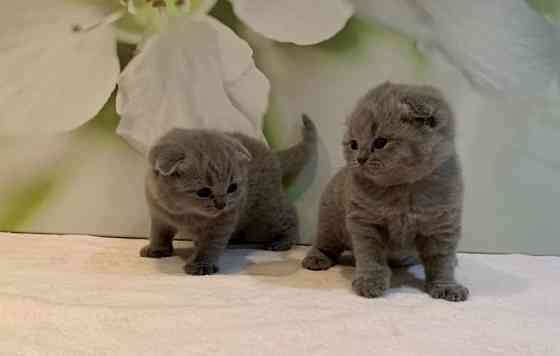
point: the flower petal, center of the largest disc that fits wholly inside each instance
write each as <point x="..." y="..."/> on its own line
<point x="246" y="86"/>
<point x="302" y="22"/>
<point x="504" y="46"/>
<point x="54" y="78"/>
<point x="249" y="94"/>
<point x="177" y="80"/>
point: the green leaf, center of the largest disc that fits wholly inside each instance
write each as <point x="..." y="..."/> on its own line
<point x="352" y="36"/>
<point x="103" y="125"/>
<point x="550" y="9"/>
<point x="223" y="11"/>
<point x="20" y="204"/>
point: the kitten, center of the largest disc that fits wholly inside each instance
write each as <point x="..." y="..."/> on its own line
<point x="214" y="186"/>
<point x="399" y="195"/>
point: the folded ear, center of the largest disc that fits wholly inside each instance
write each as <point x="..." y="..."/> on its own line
<point x="165" y="158"/>
<point x="241" y="152"/>
<point x="426" y="108"/>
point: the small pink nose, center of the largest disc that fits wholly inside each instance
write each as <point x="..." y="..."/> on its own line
<point x="362" y="160"/>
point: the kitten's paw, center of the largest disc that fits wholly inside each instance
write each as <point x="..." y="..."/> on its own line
<point x="150" y="251"/>
<point x="279" y="245"/>
<point x="317" y="262"/>
<point x="453" y="292"/>
<point x="370" y="286"/>
<point x="200" y="268"/>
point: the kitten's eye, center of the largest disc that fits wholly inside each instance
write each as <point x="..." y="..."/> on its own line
<point x="232" y="188"/>
<point x="204" y="192"/>
<point x="431" y="121"/>
<point x="379" y="143"/>
<point x="354" y="145"/>
<point x="427" y="121"/>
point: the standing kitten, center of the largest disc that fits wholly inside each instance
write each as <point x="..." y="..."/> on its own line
<point x="399" y="193"/>
<point x="215" y="186"/>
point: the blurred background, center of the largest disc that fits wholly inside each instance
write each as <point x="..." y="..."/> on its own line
<point x="497" y="61"/>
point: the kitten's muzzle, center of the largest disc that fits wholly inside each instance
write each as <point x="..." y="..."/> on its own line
<point x="219" y="202"/>
<point x="362" y="160"/>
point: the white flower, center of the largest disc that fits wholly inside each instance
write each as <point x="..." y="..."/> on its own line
<point x="193" y="74"/>
<point x="503" y="46"/>
<point x="54" y="78"/>
<point x="302" y="22"/>
<point x="59" y="65"/>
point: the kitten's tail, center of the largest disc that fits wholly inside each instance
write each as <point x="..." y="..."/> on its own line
<point x="294" y="158"/>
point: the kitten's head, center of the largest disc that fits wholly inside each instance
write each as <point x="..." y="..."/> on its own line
<point x="198" y="172"/>
<point x="399" y="133"/>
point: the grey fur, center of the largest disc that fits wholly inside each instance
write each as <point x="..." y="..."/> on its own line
<point x="183" y="162"/>
<point x="404" y="200"/>
<point x="294" y="158"/>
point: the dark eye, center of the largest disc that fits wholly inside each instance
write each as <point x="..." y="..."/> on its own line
<point x="204" y="192"/>
<point x="427" y="121"/>
<point x="354" y="144"/>
<point x="379" y="143"/>
<point x="431" y="121"/>
<point x="232" y="188"/>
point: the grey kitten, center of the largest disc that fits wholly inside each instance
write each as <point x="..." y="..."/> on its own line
<point x="399" y="195"/>
<point x="215" y="187"/>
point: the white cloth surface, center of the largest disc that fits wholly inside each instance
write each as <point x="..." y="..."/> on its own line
<point x="83" y="295"/>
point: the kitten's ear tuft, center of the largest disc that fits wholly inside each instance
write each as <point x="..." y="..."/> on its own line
<point x="165" y="159"/>
<point x="241" y="152"/>
<point x="419" y="106"/>
<point x="166" y="167"/>
<point x="425" y="110"/>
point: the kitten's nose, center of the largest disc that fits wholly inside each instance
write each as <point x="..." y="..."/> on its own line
<point x="219" y="204"/>
<point x="362" y="160"/>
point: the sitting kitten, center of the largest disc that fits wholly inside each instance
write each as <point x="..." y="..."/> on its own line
<point x="216" y="186"/>
<point x="399" y="193"/>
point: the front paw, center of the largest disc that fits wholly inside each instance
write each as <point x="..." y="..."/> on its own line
<point x="200" y="268"/>
<point x="370" y="286"/>
<point x="317" y="262"/>
<point x="153" y="252"/>
<point x="279" y="245"/>
<point x="453" y="292"/>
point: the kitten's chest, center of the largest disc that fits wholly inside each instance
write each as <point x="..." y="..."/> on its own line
<point x="198" y="226"/>
<point x="394" y="210"/>
<point x="404" y="204"/>
<point x="401" y="230"/>
<point x="383" y="204"/>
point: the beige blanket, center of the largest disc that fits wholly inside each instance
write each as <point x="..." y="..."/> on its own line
<point x="79" y="295"/>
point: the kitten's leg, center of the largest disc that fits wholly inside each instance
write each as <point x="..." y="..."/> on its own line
<point x="372" y="275"/>
<point x="285" y="242"/>
<point x="208" y="251"/>
<point x="328" y="246"/>
<point x="318" y="259"/>
<point x="439" y="258"/>
<point x="161" y="240"/>
<point x="284" y="227"/>
<point x="274" y="225"/>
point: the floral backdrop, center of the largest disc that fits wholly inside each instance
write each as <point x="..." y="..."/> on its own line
<point x="87" y="85"/>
